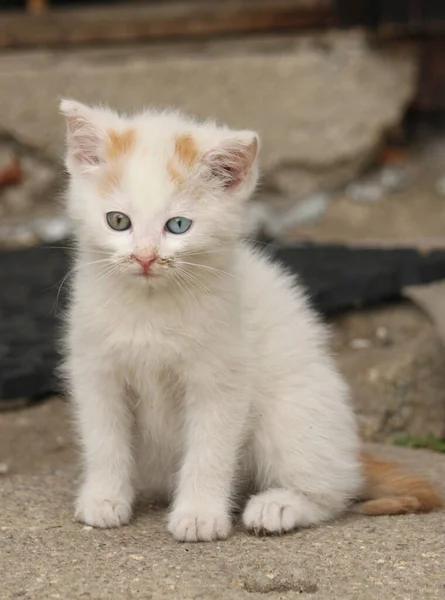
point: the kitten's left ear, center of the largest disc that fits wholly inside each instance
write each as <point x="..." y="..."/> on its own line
<point x="234" y="159"/>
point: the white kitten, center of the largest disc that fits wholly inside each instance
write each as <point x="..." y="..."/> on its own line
<point x="196" y="367"/>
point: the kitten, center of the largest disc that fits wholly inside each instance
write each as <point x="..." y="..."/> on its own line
<point x="198" y="371"/>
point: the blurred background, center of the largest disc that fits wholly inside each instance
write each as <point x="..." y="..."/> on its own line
<point x="349" y="99"/>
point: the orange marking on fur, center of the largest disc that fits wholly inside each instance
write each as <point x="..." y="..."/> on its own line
<point x="389" y="490"/>
<point x="120" y="142"/>
<point x="391" y="506"/>
<point x="186" y="149"/>
<point x="173" y="172"/>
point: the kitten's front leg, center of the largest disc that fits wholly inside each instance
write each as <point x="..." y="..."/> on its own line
<point x="216" y="409"/>
<point x="104" y="419"/>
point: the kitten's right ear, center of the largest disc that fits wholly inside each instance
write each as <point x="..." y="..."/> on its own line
<point x="85" y="136"/>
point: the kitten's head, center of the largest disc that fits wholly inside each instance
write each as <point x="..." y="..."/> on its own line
<point x="157" y="189"/>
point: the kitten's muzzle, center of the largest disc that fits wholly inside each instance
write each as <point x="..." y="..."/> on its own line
<point x="145" y="259"/>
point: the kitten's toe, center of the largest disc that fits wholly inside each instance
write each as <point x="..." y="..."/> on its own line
<point x="199" y="526"/>
<point x="273" y="512"/>
<point x="102" y="512"/>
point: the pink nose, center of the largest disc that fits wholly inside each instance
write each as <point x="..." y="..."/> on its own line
<point x="145" y="260"/>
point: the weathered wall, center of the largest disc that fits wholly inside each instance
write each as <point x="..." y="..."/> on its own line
<point x="321" y="102"/>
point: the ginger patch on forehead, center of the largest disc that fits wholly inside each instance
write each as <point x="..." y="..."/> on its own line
<point x="186" y="149"/>
<point x="173" y="172"/>
<point x="120" y="142"/>
<point x="184" y="158"/>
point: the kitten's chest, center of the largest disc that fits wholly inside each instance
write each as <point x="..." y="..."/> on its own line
<point x="143" y="337"/>
<point x="159" y="422"/>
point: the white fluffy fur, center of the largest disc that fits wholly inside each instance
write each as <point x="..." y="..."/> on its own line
<point x="210" y="378"/>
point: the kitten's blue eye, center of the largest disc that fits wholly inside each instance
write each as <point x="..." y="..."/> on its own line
<point x="178" y="225"/>
<point x="118" y="221"/>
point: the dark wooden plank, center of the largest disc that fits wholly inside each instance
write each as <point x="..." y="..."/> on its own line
<point x="36" y="6"/>
<point x="161" y="21"/>
<point x="393" y="17"/>
<point x="431" y="86"/>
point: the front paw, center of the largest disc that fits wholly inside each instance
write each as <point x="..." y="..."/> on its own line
<point x="199" y="525"/>
<point x="102" y="510"/>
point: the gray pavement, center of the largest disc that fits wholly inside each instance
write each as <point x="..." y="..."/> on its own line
<point x="45" y="554"/>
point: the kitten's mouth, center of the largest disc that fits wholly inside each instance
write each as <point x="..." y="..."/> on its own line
<point x="146" y="273"/>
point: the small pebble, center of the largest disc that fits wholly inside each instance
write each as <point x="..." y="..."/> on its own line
<point x="392" y="179"/>
<point x="373" y="375"/>
<point x="4" y="468"/>
<point x="440" y="186"/>
<point x="382" y="334"/>
<point x="372" y="189"/>
<point x="276" y="221"/>
<point x="19" y="235"/>
<point x="364" y="191"/>
<point x="359" y="344"/>
<point x="51" y="229"/>
<point x="306" y="211"/>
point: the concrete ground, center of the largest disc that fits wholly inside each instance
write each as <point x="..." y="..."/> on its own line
<point x="45" y="554"/>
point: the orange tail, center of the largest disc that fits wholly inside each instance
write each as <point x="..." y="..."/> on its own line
<point x="391" y="491"/>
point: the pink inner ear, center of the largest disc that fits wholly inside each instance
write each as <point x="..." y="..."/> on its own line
<point x="232" y="161"/>
<point x="84" y="140"/>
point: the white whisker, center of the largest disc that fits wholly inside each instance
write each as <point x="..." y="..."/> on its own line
<point x="208" y="268"/>
<point x="71" y="272"/>
<point x="179" y="278"/>
<point x="194" y="281"/>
